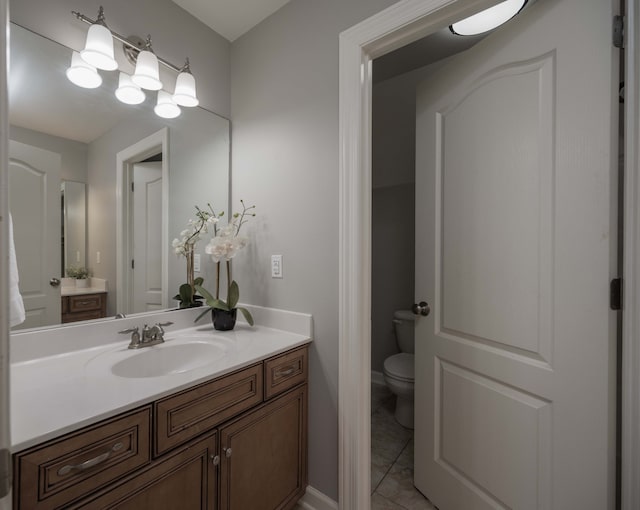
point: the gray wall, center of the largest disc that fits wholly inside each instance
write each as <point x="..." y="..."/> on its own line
<point x="74" y="154"/>
<point x="175" y="33"/>
<point x="284" y="106"/>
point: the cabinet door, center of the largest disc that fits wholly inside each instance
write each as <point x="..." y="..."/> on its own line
<point x="264" y="455"/>
<point x="184" y="479"/>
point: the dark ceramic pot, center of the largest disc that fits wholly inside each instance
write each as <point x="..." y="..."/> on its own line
<point x="223" y="320"/>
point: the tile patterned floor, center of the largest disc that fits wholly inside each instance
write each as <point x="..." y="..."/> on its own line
<point x="391" y="458"/>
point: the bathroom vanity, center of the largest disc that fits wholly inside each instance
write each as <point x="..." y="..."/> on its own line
<point x="233" y="439"/>
<point x="83" y="303"/>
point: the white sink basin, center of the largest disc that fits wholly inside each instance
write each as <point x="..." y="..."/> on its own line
<point x="169" y="358"/>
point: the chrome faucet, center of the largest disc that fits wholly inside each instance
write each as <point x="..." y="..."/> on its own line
<point x="153" y="335"/>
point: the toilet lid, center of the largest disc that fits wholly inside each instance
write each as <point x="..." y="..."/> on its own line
<point x="400" y="366"/>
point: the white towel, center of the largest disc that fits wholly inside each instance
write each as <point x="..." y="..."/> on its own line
<point x="16" y="305"/>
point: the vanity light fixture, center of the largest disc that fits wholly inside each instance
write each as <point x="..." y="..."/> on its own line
<point x="98" y="53"/>
<point x="147" y="75"/>
<point x="98" y="50"/>
<point x="127" y="91"/>
<point x="185" y="93"/>
<point x="165" y="107"/>
<point x="488" y="19"/>
<point x="82" y="74"/>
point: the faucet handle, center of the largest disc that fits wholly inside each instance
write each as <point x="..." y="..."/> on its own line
<point x="162" y="325"/>
<point x="135" y="337"/>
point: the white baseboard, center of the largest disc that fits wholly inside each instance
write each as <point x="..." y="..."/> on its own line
<point x="316" y="500"/>
<point x="377" y="378"/>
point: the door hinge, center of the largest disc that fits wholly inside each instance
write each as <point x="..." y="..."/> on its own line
<point x="615" y="294"/>
<point x="5" y="472"/>
<point x="618" y="31"/>
<point x="133" y="266"/>
<point x="132" y="187"/>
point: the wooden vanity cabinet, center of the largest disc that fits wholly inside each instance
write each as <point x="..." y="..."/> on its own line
<point x="263" y="455"/>
<point x="84" y="307"/>
<point x="184" y="479"/>
<point x="237" y="442"/>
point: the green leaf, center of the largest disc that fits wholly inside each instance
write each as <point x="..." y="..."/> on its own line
<point x="198" y="281"/>
<point x="218" y="303"/>
<point x="207" y="296"/>
<point x="204" y="312"/>
<point x="234" y="295"/>
<point x="186" y="293"/>
<point x="247" y="315"/>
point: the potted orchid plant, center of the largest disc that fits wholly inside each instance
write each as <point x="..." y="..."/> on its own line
<point x="185" y="246"/>
<point x="225" y="245"/>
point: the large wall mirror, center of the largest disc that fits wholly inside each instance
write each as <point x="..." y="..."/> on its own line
<point x="134" y="176"/>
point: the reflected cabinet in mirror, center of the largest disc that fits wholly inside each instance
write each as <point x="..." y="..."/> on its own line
<point x="142" y="175"/>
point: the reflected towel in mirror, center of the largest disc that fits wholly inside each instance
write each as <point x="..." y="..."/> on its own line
<point x="16" y="305"/>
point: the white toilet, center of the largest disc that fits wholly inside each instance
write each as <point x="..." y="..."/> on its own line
<point x="399" y="370"/>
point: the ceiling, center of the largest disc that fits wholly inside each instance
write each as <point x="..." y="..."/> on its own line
<point x="231" y="18"/>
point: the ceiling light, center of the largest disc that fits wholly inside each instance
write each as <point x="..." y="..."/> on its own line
<point x="185" y="93"/>
<point x="82" y="74"/>
<point x="488" y="19"/>
<point x="127" y="91"/>
<point x="147" y="74"/>
<point x="98" y="50"/>
<point x="165" y="107"/>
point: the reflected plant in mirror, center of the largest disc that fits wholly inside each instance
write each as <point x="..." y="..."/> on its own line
<point x="185" y="246"/>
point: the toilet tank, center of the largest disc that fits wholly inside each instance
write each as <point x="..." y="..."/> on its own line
<point x="403" y="322"/>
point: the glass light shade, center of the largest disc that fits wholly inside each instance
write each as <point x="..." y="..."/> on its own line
<point x="489" y="18"/>
<point x="82" y="74"/>
<point x="98" y="50"/>
<point x="166" y="108"/>
<point x="185" y="93"/>
<point x="147" y="75"/>
<point x="127" y="91"/>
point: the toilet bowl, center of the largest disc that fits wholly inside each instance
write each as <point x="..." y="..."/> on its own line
<point x="398" y="369"/>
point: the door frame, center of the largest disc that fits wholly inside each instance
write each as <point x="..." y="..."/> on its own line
<point x="396" y="26"/>
<point x="125" y="159"/>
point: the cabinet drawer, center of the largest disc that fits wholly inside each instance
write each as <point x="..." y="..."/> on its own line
<point x="187" y="414"/>
<point x="64" y="470"/>
<point x="285" y="371"/>
<point x="85" y="302"/>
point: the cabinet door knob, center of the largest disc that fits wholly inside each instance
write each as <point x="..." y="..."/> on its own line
<point x="215" y="459"/>
<point x="227" y="452"/>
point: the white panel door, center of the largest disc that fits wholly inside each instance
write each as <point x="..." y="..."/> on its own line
<point x="147" y="237"/>
<point x="34" y="202"/>
<point x="515" y="182"/>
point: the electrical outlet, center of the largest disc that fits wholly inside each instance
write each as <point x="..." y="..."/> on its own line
<point x="276" y="266"/>
<point x="196" y="262"/>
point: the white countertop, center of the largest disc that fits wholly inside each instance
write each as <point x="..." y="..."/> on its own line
<point x="78" y="291"/>
<point x="59" y="393"/>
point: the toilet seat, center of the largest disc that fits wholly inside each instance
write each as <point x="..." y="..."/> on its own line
<point x="400" y="366"/>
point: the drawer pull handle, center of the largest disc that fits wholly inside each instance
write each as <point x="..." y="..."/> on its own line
<point x="91" y="462"/>
<point x="285" y="373"/>
<point x="83" y="303"/>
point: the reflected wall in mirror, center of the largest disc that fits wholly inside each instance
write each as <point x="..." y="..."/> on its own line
<point x="60" y="132"/>
<point x="73" y="200"/>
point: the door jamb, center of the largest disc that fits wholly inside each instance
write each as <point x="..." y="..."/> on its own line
<point x="400" y="24"/>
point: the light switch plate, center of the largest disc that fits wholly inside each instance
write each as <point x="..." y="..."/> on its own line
<point x="196" y="262"/>
<point x="276" y="266"/>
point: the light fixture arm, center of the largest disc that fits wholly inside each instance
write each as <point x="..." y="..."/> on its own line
<point x="118" y="37"/>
